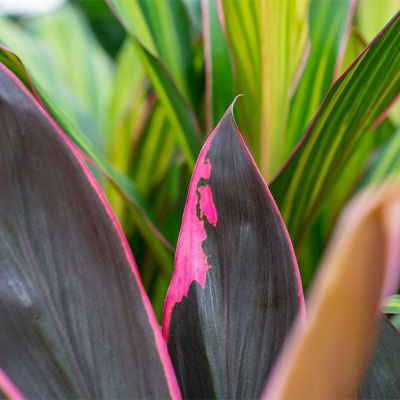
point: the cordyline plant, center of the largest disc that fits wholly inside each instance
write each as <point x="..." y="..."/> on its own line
<point x="75" y="319"/>
<point x="76" y="322"/>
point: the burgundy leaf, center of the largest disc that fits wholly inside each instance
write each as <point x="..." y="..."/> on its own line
<point x="236" y="287"/>
<point x="75" y="319"/>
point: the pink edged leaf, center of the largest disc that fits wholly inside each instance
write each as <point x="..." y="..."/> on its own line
<point x="236" y="287"/>
<point x="75" y="319"/>
<point x="8" y="389"/>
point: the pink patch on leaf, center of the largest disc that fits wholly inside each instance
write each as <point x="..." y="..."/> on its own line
<point x="207" y="206"/>
<point x="190" y="261"/>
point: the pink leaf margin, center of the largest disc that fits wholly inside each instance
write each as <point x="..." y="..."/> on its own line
<point x="150" y="224"/>
<point x="159" y="342"/>
<point x="8" y="387"/>
<point x="190" y="239"/>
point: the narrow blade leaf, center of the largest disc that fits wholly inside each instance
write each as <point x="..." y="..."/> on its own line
<point x="353" y="103"/>
<point x="268" y="39"/>
<point x="219" y="74"/>
<point x="75" y="320"/>
<point x="328" y="22"/>
<point x="178" y="110"/>
<point x="236" y="287"/>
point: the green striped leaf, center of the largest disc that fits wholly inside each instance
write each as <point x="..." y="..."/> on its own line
<point x="328" y="22"/>
<point x="128" y="112"/>
<point x="162" y="28"/>
<point x="352" y="104"/>
<point x="314" y="240"/>
<point x="268" y="40"/>
<point x="219" y="75"/>
<point x="155" y="151"/>
<point x="139" y="25"/>
<point x="371" y="15"/>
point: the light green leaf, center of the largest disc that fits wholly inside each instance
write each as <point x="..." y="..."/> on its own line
<point x="392" y="305"/>
<point x="268" y="40"/>
<point x="73" y="69"/>
<point x="171" y="94"/>
<point x="371" y="15"/>
<point x="156" y="149"/>
<point x="386" y="162"/>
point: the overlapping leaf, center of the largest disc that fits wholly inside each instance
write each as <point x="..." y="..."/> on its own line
<point x="311" y="246"/>
<point x="138" y="208"/>
<point x="268" y="39"/>
<point x="360" y="268"/>
<point x="386" y="162"/>
<point x="353" y="103"/>
<point x="328" y="21"/>
<point x="236" y="288"/>
<point x="76" y="322"/>
<point x="138" y="18"/>
<point x="81" y="88"/>
<point x="392" y="305"/>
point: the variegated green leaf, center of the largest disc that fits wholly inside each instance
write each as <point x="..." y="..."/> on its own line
<point x="158" y="54"/>
<point x="328" y="22"/>
<point x="351" y="106"/>
<point x="268" y="40"/>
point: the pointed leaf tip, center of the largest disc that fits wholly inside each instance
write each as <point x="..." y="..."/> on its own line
<point x="236" y="287"/>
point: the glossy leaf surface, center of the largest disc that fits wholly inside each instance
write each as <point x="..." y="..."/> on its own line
<point x="382" y="378"/>
<point x="353" y="103"/>
<point x="236" y="287"/>
<point x="73" y="312"/>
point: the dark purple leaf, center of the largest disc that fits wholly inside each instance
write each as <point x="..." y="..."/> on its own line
<point x="75" y="320"/>
<point x="236" y="287"/>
